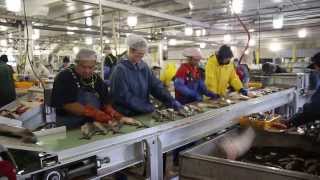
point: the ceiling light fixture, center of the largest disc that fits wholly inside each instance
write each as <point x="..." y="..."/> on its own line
<point x="89" y="21"/>
<point x="277" y="21"/>
<point x="204" y="32"/>
<point x="227" y="38"/>
<point x="3" y="28"/>
<point x="198" y="32"/>
<point x="302" y="33"/>
<point x="75" y="49"/>
<point x="203" y="45"/>
<point x="252" y="42"/>
<point x="132" y="21"/>
<point x="237" y="6"/>
<point x="88" y="40"/>
<point x="191" y="6"/>
<point x="172" y="42"/>
<point x="36" y="34"/>
<point x="13" y="5"/>
<point x="275" y="46"/>
<point x="251" y="30"/>
<point x="165" y="47"/>
<point x="188" y="31"/>
<point x="3" y="42"/>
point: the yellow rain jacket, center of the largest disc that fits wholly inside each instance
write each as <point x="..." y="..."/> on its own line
<point x="219" y="77"/>
<point x="168" y="73"/>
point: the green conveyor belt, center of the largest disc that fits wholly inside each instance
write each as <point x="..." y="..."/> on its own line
<point x="72" y="138"/>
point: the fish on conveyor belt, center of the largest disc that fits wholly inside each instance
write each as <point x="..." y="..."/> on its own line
<point x="90" y="129"/>
<point x="21" y="133"/>
<point x="294" y="159"/>
<point x="133" y="122"/>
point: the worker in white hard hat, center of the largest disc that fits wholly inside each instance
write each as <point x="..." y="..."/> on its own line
<point x="188" y="83"/>
<point x="132" y="82"/>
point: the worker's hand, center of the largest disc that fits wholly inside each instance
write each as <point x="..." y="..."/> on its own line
<point x="176" y="105"/>
<point x="130" y="121"/>
<point x="96" y="114"/>
<point x="278" y="125"/>
<point x="251" y="94"/>
<point x="108" y="109"/>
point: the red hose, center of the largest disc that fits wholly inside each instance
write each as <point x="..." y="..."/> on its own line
<point x="248" y="33"/>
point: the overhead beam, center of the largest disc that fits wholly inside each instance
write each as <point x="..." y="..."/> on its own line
<point x="139" y="10"/>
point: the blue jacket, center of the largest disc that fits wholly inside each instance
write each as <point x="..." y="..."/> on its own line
<point x="314" y="104"/>
<point x="189" y="85"/>
<point x="131" y="86"/>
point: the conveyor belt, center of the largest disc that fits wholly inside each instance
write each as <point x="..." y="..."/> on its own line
<point x="127" y="149"/>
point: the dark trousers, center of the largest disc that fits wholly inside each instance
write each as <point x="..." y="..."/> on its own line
<point x="303" y="118"/>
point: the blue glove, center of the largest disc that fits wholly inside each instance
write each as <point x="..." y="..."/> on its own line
<point x="243" y="92"/>
<point x="212" y="95"/>
<point x="176" y="105"/>
<point x="198" y="97"/>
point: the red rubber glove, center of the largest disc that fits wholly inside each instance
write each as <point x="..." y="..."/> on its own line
<point x="96" y="114"/>
<point x="108" y="109"/>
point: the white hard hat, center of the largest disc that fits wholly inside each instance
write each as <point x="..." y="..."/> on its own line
<point x="192" y="52"/>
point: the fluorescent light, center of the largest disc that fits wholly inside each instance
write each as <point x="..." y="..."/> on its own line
<point x="3" y="42"/>
<point x="10" y="37"/>
<point x="188" y="31"/>
<point x="71" y="28"/>
<point x="252" y="42"/>
<point x="88" y="40"/>
<point x="132" y="21"/>
<point x="13" y="5"/>
<point x="203" y="45"/>
<point x="75" y="50"/>
<point x="106" y="40"/>
<point x="251" y="30"/>
<point x="204" y="32"/>
<point x="89" y="21"/>
<point x="165" y="47"/>
<point x="191" y="6"/>
<point x="247" y="52"/>
<point x="277" y="21"/>
<point x="227" y="38"/>
<point x="302" y="33"/>
<point x="172" y="42"/>
<point x="36" y="47"/>
<point x="198" y="32"/>
<point x="237" y="6"/>
<point x="36" y="34"/>
<point x="275" y="46"/>
<point x="3" y="28"/>
<point x="233" y="48"/>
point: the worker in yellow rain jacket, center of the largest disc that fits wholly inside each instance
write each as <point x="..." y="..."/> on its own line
<point x="168" y="74"/>
<point x="220" y="73"/>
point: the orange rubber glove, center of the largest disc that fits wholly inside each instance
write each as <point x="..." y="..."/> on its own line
<point x="108" y="109"/>
<point x="96" y="114"/>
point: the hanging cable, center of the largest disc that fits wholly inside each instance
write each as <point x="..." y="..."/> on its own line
<point x="31" y="64"/>
<point x="248" y="33"/>
<point x="27" y="47"/>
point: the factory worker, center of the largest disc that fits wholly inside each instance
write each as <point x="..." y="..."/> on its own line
<point x="7" y="88"/>
<point x="310" y="110"/>
<point x="188" y="83"/>
<point x="243" y="72"/>
<point x="65" y="63"/>
<point x="168" y="74"/>
<point x="220" y="73"/>
<point x="79" y="95"/>
<point x="132" y="82"/>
